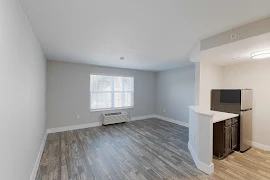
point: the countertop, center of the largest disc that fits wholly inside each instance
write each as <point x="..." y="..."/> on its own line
<point x="217" y="116"/>
<point x="221" y="116"/>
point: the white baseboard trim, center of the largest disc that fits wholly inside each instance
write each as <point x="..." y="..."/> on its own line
<point x="181" y="123"/>
<point x="208" y="169"/>
<point x="142" y="117"/>
<point x="73" y="127"/>
<point x="260" y="146"/>
<point x="95" y="124"/>
<point x="34" y="172"/>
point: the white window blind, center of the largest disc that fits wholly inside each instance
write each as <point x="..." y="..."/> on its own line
<point x="111" y="92"/>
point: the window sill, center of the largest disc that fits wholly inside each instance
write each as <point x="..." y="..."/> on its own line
<point x="112" y="109"/>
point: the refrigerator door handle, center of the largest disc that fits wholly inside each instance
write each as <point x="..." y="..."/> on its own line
<point x="246" y="110"/>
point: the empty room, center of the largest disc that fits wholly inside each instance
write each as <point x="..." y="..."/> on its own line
<point x="134" y="90"/>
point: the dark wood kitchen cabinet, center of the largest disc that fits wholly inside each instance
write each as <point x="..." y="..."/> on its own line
<point x="227" y="140"/>
<point x="225" y="137"/>
<point x="235" y="136"/>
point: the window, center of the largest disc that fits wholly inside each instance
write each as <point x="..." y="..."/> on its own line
<point x="111" y="92"/>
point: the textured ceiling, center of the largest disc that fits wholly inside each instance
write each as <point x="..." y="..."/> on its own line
<point x="151" y="34"/>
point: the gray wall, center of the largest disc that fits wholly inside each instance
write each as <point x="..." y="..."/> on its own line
<point x="175" y="91"/>
<point x="22" y="93"/>
<point x="68" y="93"/>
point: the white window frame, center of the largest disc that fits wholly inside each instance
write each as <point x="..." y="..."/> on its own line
<point x="109" y="109"/>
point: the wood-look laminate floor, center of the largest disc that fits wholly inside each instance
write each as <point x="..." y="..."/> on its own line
<point x="148" y="149"/>
<point x="254" y="164"/>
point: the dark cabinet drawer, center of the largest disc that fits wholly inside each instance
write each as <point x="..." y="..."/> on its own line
<point x="234" y="120"/>
<point x="228" y="122"/>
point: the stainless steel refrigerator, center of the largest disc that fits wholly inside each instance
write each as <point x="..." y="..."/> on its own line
<point x="238" y="101"/>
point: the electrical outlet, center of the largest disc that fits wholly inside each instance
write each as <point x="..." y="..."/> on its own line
<point x="78" y="116"/>
<point x="164" y="110"/>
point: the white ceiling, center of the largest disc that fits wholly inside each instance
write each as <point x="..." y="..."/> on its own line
<point x="237" y="52"/>
<point x="150" y="34"/>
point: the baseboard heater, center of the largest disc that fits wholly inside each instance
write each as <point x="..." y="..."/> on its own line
<point x="115" y="117"/>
